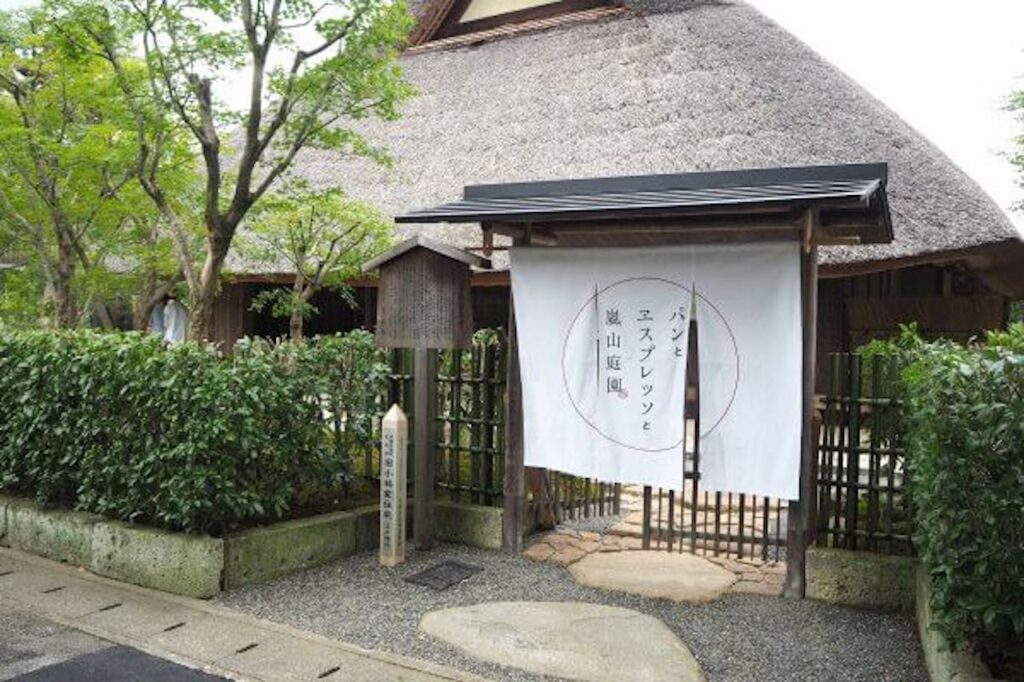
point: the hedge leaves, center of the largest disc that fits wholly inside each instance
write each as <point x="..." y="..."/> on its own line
<point x="179" y="437"/>
<point x="965" y="438"/>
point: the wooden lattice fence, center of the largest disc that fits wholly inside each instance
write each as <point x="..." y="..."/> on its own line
<point x="861" y="461"/>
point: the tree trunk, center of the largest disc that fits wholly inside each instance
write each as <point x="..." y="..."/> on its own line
<point x="65" y="312"/>
<point x="300" y="295"/>
<point x="295" y="326"/>
<point x="201" y="297"/>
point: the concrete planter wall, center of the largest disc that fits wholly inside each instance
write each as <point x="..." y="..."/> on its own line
<point x="877" y="581"/>
<point x="468" y="524"/>
<point x="261" y="554"/>
<point x="191" y="565"/>
<point x="943" y="665"/>
<point x="201" y="566"/>
<point x="861" y="579"/>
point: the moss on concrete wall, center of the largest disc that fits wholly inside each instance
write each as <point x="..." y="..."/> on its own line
<point x="861" y="579"/>
<point x="943" y="665"/>
<point x="261" y="554"/>
<point x="191" y="565"/>
<point x="468" y="524"/>
<point x="55" y="534"/>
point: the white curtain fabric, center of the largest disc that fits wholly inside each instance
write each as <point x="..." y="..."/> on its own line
<point x="602" y="346"/>
<point x="175" y="322"/>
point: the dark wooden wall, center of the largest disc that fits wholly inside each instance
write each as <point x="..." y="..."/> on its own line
<point x="945" y="302"/>
<point x="231" y="316"/>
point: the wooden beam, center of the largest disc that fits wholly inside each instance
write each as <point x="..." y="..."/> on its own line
<point x="800" y="524"/>
<point x="515" y="483"/>
<point x="424" y="394"/>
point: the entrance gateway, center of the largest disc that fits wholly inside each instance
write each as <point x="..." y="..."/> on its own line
<point x="611" y="277"/>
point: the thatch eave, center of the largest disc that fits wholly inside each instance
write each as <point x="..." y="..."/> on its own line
<point x="708" y="87"/>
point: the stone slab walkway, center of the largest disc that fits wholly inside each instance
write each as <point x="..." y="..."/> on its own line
<point x="196" y="633"/>
<point x="738" y="638"/>
<point x="566" y="547"/>
<point x="567" y="640"/>
<point x="682" y="578"/>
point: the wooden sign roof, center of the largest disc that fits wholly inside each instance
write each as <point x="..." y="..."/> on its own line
<point x="419" y="241"/>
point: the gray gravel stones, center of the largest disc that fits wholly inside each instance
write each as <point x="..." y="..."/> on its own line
<point x="740" y="637"/>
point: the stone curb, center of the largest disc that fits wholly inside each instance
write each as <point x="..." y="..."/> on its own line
<point x="202" y="566"/>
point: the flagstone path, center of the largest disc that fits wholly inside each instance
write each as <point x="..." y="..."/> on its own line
<point x="566" y="547"/>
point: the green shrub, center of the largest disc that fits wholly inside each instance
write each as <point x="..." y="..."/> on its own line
<point x="965" y="448"/>
<point x="179" y="437"/>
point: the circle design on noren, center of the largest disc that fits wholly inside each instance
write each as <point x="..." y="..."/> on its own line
<point x="617" y="289"/>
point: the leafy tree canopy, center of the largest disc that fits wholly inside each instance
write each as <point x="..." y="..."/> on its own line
<point x="320" y="235"/>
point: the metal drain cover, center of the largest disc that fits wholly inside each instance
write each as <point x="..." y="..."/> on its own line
<point x="443" y="575"/>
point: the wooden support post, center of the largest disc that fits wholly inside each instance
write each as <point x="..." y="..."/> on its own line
<point x="425" y="403"/>
<point x="800" y="528"/>
<point x="515" y="483"/>
<point x="645" y="527"/>
<point x="515" y="470"/>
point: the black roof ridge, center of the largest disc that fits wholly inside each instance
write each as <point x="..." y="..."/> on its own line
<point x="678" y="181"/>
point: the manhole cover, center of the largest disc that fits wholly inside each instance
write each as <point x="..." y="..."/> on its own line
<point x="443" y="575"/>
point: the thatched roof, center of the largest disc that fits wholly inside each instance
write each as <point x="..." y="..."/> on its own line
<point x="655" y="90"/>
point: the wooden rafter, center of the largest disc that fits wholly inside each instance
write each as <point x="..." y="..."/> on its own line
<point x="440" y="22"/>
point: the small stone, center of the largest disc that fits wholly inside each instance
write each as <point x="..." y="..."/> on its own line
<point x="586" y="546"/>
<point x="567" y="556"/>
<point x="631" y="543"/>
<point x="610" y="548"/>
<point x="539" y="552"/>
<point x="592" y="537"/>
<point x="556" y="540"/>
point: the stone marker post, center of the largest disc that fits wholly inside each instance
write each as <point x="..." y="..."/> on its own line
<point x="393" y="456"/>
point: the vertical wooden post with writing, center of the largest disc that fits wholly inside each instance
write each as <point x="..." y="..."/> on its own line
<point x="394" y="437"/>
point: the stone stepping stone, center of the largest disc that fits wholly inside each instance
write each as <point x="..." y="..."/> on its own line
<point x="568" y="640"/>
<point x="667" y="575"/>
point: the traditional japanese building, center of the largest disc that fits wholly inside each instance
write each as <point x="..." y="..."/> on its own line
<point x="522" y="90"/>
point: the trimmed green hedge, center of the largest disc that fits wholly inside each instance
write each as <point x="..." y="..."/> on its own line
<point x="178" y="437"/>
<point x="964" y="419"/>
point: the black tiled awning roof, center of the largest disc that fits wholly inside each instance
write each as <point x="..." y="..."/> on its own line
<point x="858" y="186"/>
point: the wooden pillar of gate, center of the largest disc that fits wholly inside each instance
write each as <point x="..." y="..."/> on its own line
<point x="515" y="472"/>
<point x="800" y="525"/>
<point x="425" y="418"/>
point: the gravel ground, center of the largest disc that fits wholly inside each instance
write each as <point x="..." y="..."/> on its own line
<point x="595" y="524"/>
<point x="740" y="637"/>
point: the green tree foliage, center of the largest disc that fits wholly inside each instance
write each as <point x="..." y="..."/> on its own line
<point x="312" y="69"/>
<point x="69" y="204"/>
<point x="964" y="421"/>
<point x="179" y="437"/>
<point x="64" y="162"/>
<point x="321" y="236"/>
